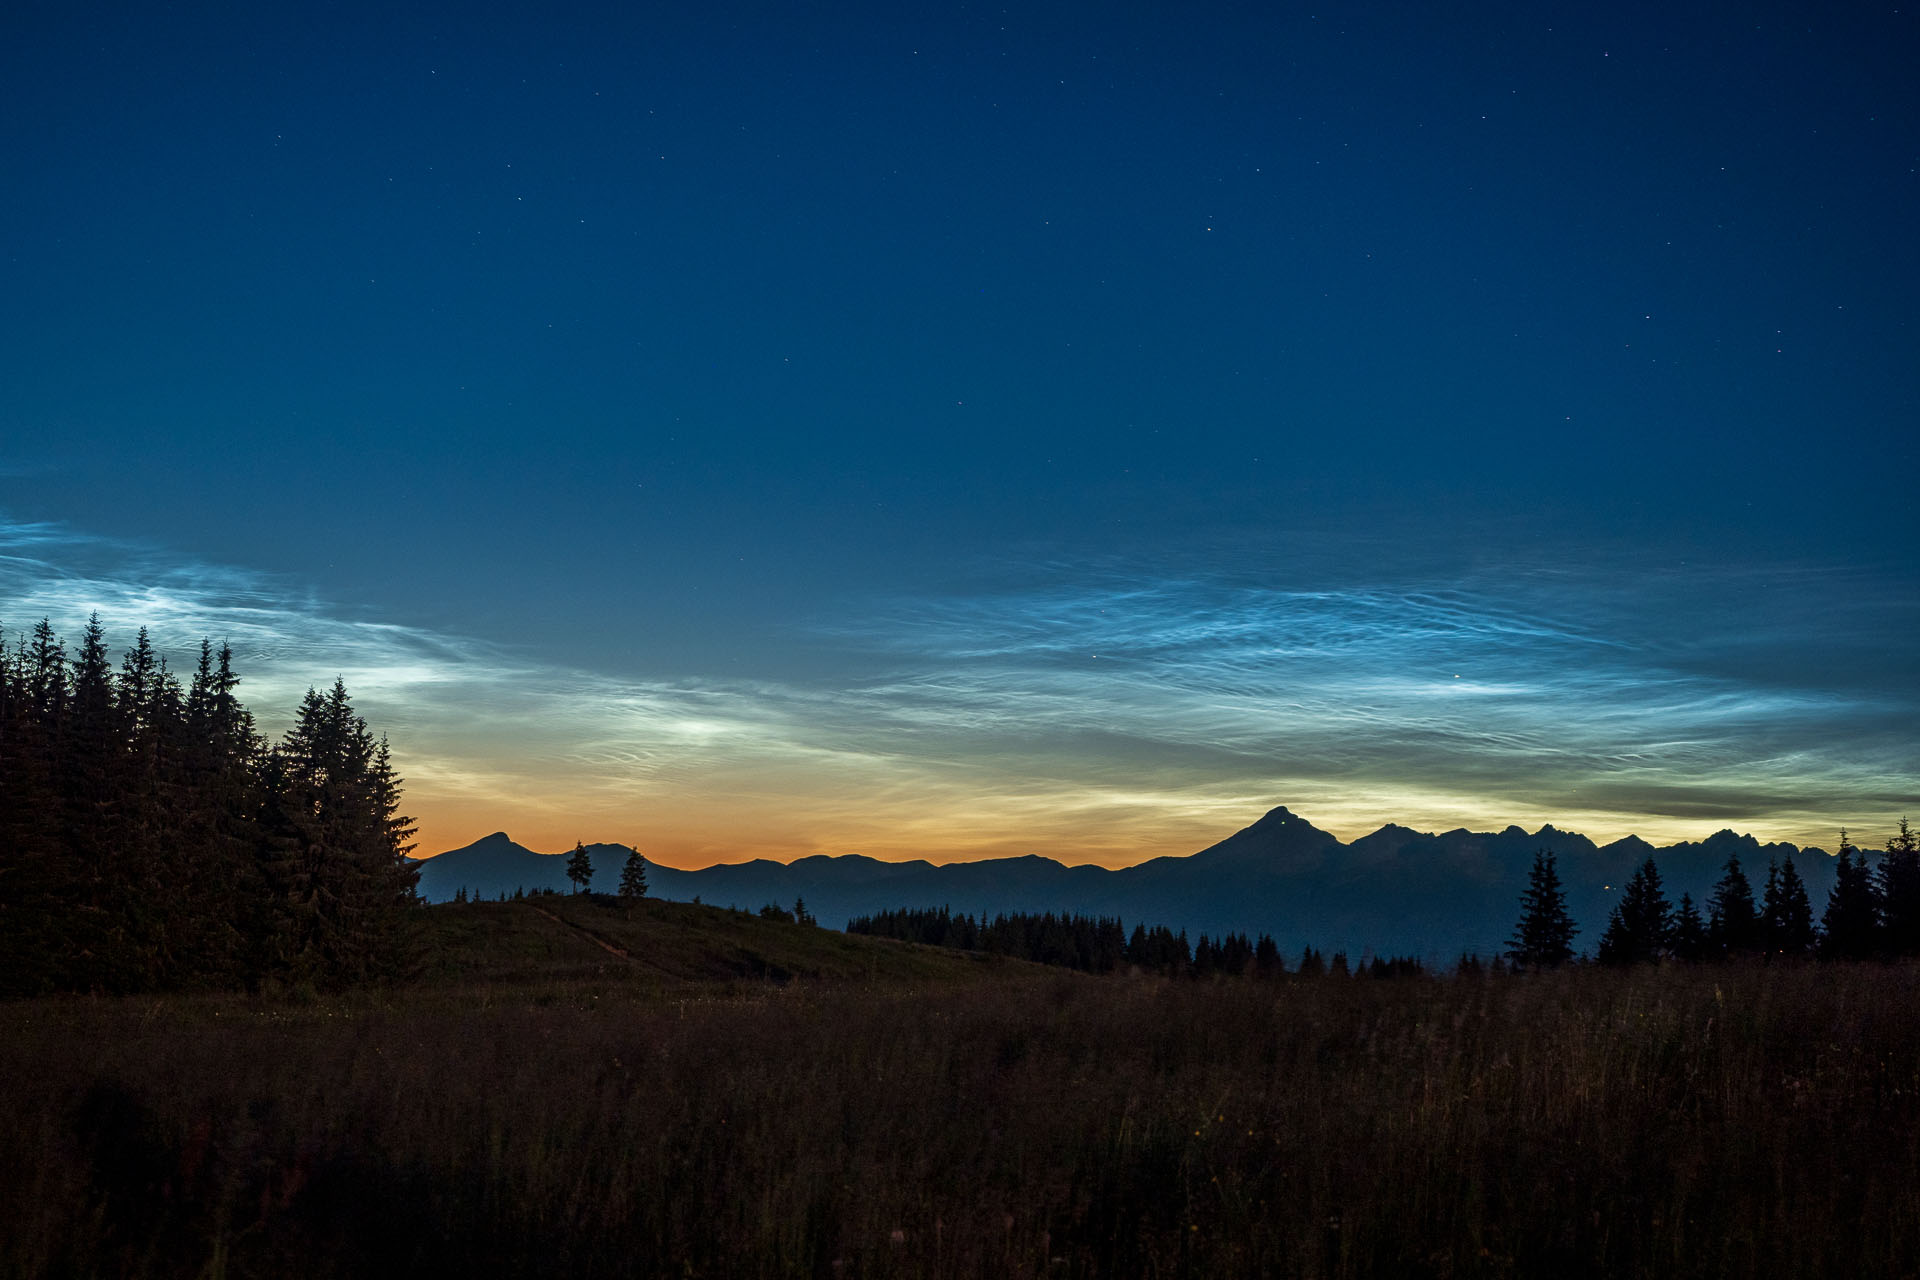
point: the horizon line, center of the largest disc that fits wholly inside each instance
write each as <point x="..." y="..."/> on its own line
<point x="1543" y="829"/>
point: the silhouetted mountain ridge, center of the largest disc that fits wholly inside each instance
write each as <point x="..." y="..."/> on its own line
<point x="1395" y="890"/>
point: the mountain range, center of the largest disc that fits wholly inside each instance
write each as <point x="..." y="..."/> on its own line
<point x="1394" y="892"/>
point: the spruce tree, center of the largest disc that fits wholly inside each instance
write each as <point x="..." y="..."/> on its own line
<point x="36" y="951"/>
<point x="1690" y="933"/>
<point x="220" y="807"/>
<point x="1790" y="928"/>
<point x="580" y="867"/>
<point x="1770" y="910"/>
<point x="1849" y="926"/>
<point x="91" y="780"/>
<point x="162" y="916"/>
<point x="1544" y="937"/>
<point x="1639" y="930"/>
<point x="138" y="687"/>
<point x="1734" y="924"/>
<point x="44" y="670"/>
<point x="1900" y="892"/>
<point x="334" y="859"/>
<point x="633" y="876"/>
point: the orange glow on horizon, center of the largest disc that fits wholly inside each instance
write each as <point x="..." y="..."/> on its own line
<point x="690" y="835"/>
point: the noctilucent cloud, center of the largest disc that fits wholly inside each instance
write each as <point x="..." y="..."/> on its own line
<point x="952" y="432"/>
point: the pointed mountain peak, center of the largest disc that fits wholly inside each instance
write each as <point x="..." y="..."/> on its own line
<point x="498" y="842"/>
<point x="1279" y="836"/>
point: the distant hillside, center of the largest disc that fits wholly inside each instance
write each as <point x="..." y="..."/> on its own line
<point x="1395" y="891"/>
<point x="569" y="937"/>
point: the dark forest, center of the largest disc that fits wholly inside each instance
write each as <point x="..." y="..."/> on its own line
<point x="155" y="841"/>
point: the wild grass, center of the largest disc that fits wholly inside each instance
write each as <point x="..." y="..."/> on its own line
<point x="1731" y="1122"/>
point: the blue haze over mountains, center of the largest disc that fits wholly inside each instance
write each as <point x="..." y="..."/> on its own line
<point x="1394" y="892"/>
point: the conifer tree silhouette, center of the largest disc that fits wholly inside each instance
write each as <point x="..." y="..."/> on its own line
<point x="1640" y="927"/>
<point x="1690" y="933"/>
<point x="1788" y="921"/>
<point x="1900" y="892"/>
<point x="1850" y="925"/>
<point x="580" y="867"/>
<point x="1733" y="922"/>
<point x="1544" y="937"/>
<point x="633" y="876"/>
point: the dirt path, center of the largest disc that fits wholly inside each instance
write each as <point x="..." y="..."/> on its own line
<point x="588" y="934"/>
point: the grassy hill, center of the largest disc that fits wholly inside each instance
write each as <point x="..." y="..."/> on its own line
<point x="579" y="1087"/>
<point x="650" y="943"/>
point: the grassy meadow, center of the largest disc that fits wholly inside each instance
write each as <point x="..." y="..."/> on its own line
<point x="684" y="1091"/>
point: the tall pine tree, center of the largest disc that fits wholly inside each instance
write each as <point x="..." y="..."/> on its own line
<point x="36" y="883"/>
<point x="1797" y="936"/>
<point x="580" y="867"/>
<point x="633" y="876"/>
<point x="1543" y="939"/>
<point x="1900" y="892"/>
<point x="337" y="868"/>
<point x="1850" y="925"/>
<point x="1690" y="936"/>
<point x="1733" y="924"/>
<point x="1639" y="929"/>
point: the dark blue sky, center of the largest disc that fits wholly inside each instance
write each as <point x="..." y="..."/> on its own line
<point x="840" y="365"/>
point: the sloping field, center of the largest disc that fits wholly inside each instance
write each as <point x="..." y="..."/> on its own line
<point x="576" y="1089"/>
<point x="562" y="937"/>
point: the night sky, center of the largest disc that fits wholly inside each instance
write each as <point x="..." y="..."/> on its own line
<point x="765" y="430"/>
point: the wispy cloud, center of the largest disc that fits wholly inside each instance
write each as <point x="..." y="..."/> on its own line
<point x="490" y="735"/>
<point x="1554" y="690"/>
<point x="1105" y="714"/>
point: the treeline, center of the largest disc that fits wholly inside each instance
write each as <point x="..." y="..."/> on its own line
<point x="1871" y="912"/>
<point x="152" y="839"/>
<point x="1099" y="944"/>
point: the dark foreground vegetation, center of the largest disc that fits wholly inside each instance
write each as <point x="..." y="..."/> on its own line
<point x="795" y="1102"/>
